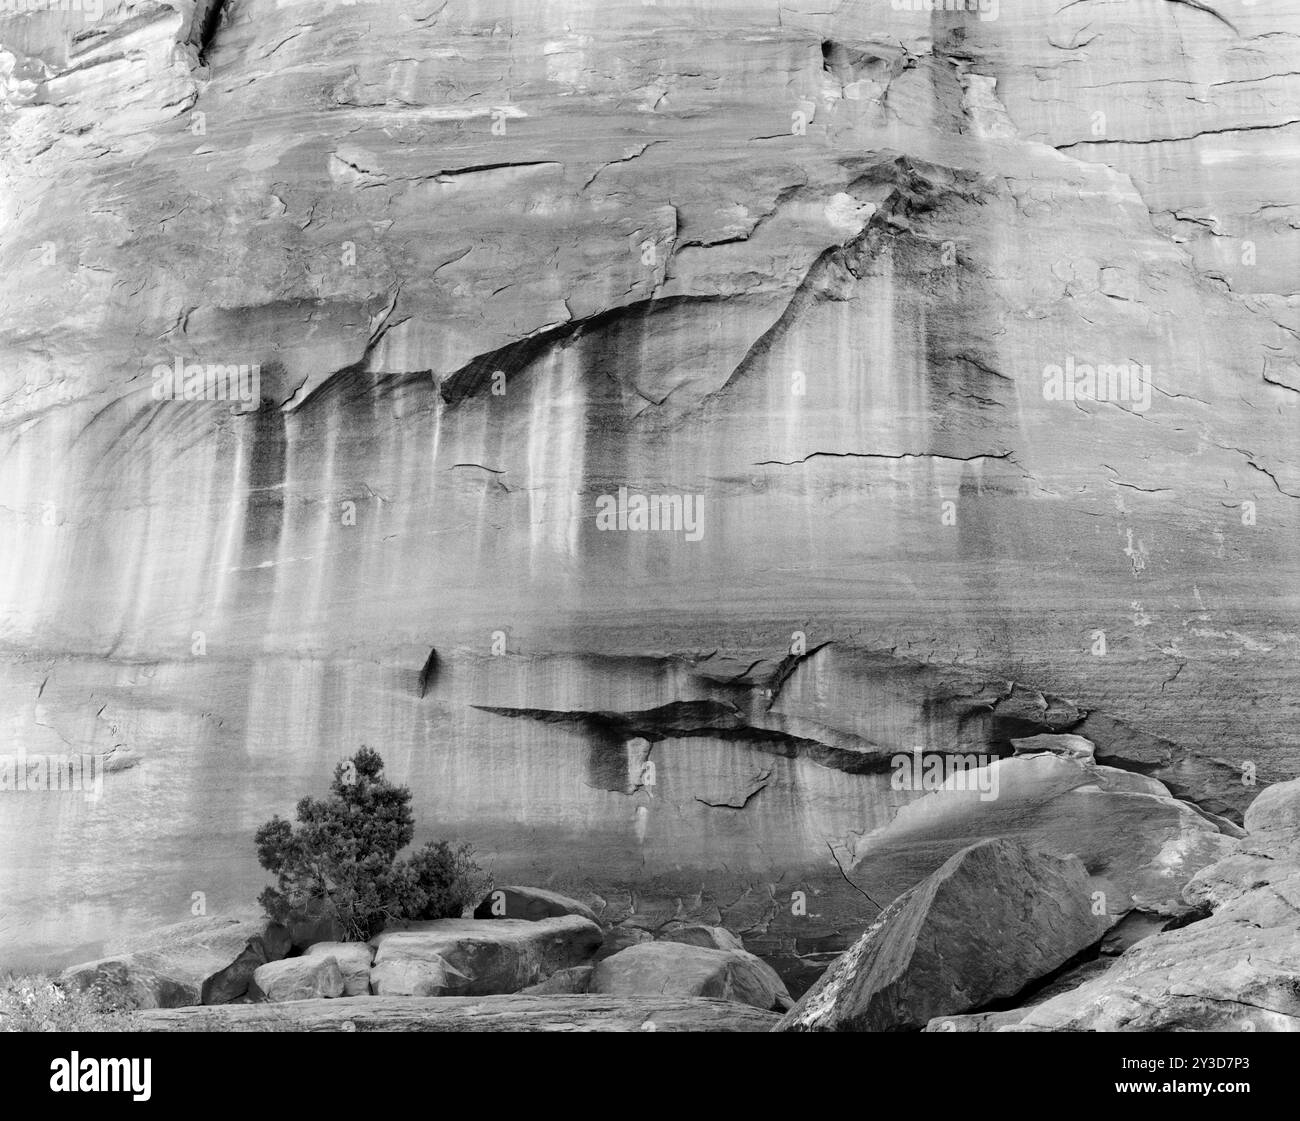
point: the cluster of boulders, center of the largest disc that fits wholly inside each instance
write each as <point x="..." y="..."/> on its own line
<point x="1008" y="934"/>
<point x="522" y="940"/>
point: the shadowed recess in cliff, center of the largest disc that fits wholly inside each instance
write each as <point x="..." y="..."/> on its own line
<point x="854" y="710"/>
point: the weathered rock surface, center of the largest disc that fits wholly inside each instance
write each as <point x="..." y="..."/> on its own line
<point x="200" y="961"/>
<point x="680" y="969"/>
<point x="431" y="976"/>
<point x="473" y="958"/>
<point x="1075" y="747"/>
<point x="1142" y="844"/>
<point x="1273" y="819"/>
<point x="1236" y="970"/>
<point x="696" y="934"/>
<point x="808" y="261"/>
<point x="995" y="918"/>
<point x="530" y="903"/>
<point x="354" y="960"/>
<point x="576" y="979"/>
<point x="619" y="938"/>
<point x="301" y="978"/>
<point x="470" y="1014"/>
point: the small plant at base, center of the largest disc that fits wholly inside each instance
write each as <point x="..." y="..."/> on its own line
<point x="39" y="1004"/>
<point x="341" y="859"/>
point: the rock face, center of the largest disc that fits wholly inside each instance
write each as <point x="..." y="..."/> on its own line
<point x="303" y="978"/>
<point x="472" y="958"/>
<point x="1236" y="970"/>
<point x="471" y="1014"/>
<point x="1142" y="844"/>
<point x="676" y="969"/>
<point x="202" y="961"/>
<point x="530" y="903"/>
<point x="1273" y="820"/>
<point x="354" y="960"/>
<point x="996" y="917"/>
<point x="430" y="976"/>
<point x="801" y="266"/>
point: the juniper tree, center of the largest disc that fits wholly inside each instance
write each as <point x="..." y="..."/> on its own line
<point x="341" y="858"/>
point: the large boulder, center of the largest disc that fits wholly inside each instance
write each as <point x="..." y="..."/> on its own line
<point x="997" y="916"/>
<point x="516" y="1013"/>
<point x="354" y="959"/>
<point x="576" y="979"/>
<point x="430" y="976"/>
<point x="1273" y="818"/>
<point x="1124" y="827"/>
<point x="680" y="969"/>
<point x="200" y="961"/>
<point x="697" y="934"/>
<point x="530" y="903"/>
<point x="302" y="978"/>
<point x="619" y="938"/>
<point x="1236" y="969"/>
<point x="473" y="958"/>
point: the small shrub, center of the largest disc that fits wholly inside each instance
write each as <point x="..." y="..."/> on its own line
<point x="39" y="1004"/>
<point x="341" y="859"/>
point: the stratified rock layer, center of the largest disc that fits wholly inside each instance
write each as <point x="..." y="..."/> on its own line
<point x="470" y="1014"/>
<point x="804" y="262"/>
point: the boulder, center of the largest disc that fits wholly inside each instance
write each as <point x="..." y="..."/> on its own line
<point x="200" y="961"/>
<point x="1234" y="967"/>
<point x="476" y="958"/>
<point x="680" y="969"/>
<point x="991" y="1021"/>
<point x="354" y="960"/>
<point x="619" y="938"/>
<point x="1273" y="818"/>
<point x="1125" y="827"/>
<point x="430" y="976"/>
<point x="516" y="1013"/>
<point x="302" y="978"/>
<point x="1237" y="874"/>
<point x="530" y="903"/>
<point x="996" y="917"/>
<point x="1237" y="970"/>
<point x="574" y="980"/>
<point x="697" y="934"/>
